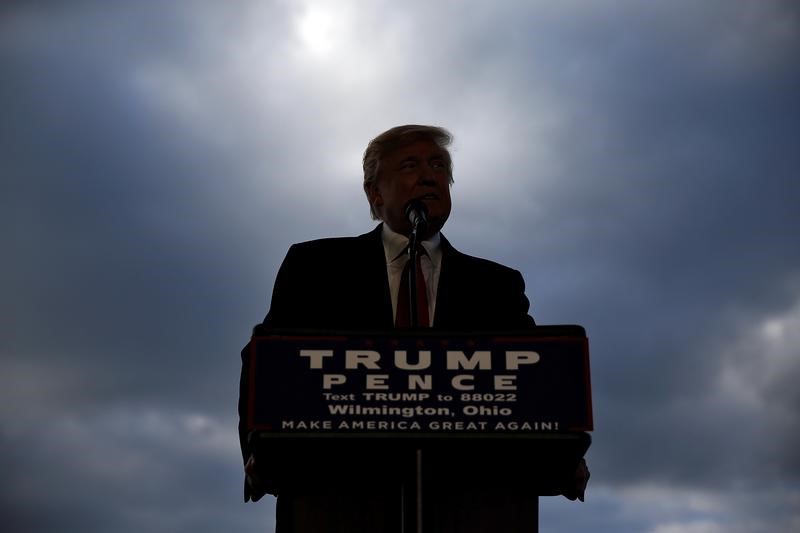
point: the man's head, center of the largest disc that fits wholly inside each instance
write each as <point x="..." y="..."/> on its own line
<point x="406" y="163"/>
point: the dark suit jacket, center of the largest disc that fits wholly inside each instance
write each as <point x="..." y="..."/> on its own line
<point x="341" y="284"/>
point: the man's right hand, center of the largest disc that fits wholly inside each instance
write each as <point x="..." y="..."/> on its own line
<point x="255" y="482"/>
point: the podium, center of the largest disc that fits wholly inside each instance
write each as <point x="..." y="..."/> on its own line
<point x="417" y="431"/>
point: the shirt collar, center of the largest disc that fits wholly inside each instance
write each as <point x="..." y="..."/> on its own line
<point x="395" y="245"/>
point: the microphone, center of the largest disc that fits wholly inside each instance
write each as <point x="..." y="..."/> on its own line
<point x="417" y="213"/>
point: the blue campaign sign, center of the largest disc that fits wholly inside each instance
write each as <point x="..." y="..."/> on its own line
<point x="427" y="383"/>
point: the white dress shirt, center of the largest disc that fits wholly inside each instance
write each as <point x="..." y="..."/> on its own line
<point x="395" y="248"/>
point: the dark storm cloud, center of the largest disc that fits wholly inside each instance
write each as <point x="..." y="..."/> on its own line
<point x="121" y="250"/>
<point x="669" y="222"/>
<point x="118" y="470"/>
<point x="664" y="228"/>
<point x="118" y="214"/>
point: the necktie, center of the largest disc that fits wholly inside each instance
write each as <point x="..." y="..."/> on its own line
<point x="402" y="316"/>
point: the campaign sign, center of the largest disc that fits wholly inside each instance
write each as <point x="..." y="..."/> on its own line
<point x="532" y="382"/>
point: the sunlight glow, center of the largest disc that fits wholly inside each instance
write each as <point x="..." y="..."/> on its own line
<point x="323" y="28"/>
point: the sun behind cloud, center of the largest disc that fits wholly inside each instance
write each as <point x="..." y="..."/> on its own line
<point x="323" y="28"/>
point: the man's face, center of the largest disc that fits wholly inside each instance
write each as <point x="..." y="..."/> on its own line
<point x="419" y="170"/>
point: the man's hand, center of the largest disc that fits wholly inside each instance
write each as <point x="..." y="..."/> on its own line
<point x="577" y="486"/>
<point x="254" y="481"/>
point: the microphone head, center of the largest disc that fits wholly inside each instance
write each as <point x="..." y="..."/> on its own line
<point x="417" y="212"/>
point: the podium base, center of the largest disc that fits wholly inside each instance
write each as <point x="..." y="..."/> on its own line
<point x="370" y="511"/>
<point x="465" y="483"/>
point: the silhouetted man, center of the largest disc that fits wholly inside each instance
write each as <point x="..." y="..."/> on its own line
<point x="354" y="283"/>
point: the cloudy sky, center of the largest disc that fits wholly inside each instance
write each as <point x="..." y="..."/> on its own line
<point x="636" y="160"/>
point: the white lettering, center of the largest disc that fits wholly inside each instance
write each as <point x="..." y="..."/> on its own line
<point x="458" y="382"/>
<point x="377" y="381"/>
<point x="424" y="382"/>
<point x="401" y="360"/>
<point x="315" y="357"/>
<point x="329" y="380"/>
<point x="367" y="358"/>
<point x="457" y="359"/>
<point x="514" y="359"/>
<point x="505" y="382"/>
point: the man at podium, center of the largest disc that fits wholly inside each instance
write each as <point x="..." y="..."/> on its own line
<point x="358" y="284"/>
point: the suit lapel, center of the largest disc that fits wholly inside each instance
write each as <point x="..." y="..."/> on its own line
<point x="448" y="291"/>
<point x="375" y="283"/>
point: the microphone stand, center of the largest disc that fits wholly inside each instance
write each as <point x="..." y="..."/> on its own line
<point x="417" y="214"/>
<point x="413" y="251"/>
<point x="413" y="243"/>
